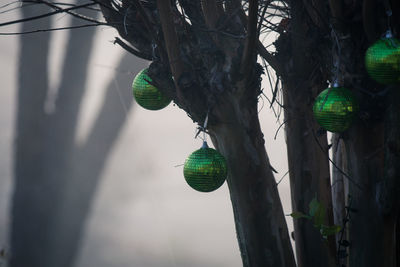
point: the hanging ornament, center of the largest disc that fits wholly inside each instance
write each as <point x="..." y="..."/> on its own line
<point x="335" y="109"/>
<point x="205" y="169"/>
<point x="147" y="95"/>
<point x="382" y="60"/>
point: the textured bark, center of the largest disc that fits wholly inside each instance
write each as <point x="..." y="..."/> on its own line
<point x="366" y="226"/>
<point x="338" y="182"/>
<point x="307" y="149"/>
<point x="259" y="219"/>
<point x="309" y="178"/>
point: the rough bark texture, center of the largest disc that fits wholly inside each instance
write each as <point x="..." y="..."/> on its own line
<point x="260" y="223"/>
<point x="307" y="147"/>
<point x="309" y="178"/>
<point x="339" y="184"/>
<point x="365" y="217"/>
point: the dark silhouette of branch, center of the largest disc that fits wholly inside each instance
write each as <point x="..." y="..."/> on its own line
<point x="74" y="14"/>
<point x="132" y="50"/>
<point x="171" y="38"/>
<point x="65" y="10"/>
<point x="52" y="29"/>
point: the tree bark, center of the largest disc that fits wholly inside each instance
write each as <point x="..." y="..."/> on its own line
<point x="309" y="178"/>
<point x="307" y="149"/>
<point x="366" y="223"/>
<point x="259" y="219"/>
<point x="338" y="183"/>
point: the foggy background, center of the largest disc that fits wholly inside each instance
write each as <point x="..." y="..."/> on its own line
<point x="143" y="212"/>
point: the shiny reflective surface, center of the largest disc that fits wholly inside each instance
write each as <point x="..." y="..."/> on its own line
<point x="335" y="109"/>
<point x="147" y="95"/>
<point x="205" y="170"/>
<point x="382" y="61"/>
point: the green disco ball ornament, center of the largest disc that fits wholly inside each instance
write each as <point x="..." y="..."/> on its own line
<point x="382" y="60"/>
<point x="335" y="109"/>
<point x="147" y="95"/>
<point x="205" y="169"/>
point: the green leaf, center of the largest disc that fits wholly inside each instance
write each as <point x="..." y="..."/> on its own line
<point x="298" y="215"/>
<point x="319" y="216"/>
<point x="330" y="230"/>
<point x="313" y="206"/>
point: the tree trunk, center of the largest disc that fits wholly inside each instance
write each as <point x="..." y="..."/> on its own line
<point x="307" y="148"/>
<point x="365" y="168"/>
<point x="309" y="177"/>
<point x="339" y="185"/>
<point x="260" y="222"/>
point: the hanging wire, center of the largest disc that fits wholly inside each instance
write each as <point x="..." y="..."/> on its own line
<point x="336" y="64"/>
<point x="203" y="129"/>
<point x="336" y="61"/>
<point x="389" y="14"/>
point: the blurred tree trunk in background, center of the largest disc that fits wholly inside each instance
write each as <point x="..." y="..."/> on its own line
<point x="55" y="180"/>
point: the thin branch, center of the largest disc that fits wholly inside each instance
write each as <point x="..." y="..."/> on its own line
<point x="263" y="52"/>
<point x="61" y="10"/>
<point x="249" y="54"/>
<point x="79" y="16"/>
<point x="131" y="49"/>
<point x="53" y="29"/>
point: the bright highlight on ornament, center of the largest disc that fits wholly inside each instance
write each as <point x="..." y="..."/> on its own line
<point x="205" y="169"/>
<point x="335" y="109"/>
<point x="147" y="95"/>
<point x="382" y="60"/>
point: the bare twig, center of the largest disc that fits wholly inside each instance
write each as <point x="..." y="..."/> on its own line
<point x="61" y="10"/>
<point x="52" y="29"/>
<point x="132" y="50"/>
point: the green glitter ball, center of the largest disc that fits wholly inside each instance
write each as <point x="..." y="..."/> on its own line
<point x="382" y="61"/>
<point x="205" y="169"/>
<point x="335" y="109"/>
<point x="147" y="95"/>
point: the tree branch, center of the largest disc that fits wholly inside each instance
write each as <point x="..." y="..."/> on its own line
<point x="131" y="50"/>
<point x="171" y="38"/>
<point x="263" y="52"/>
<point x="249" y="54"/>
<point x="61" y="10"/>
